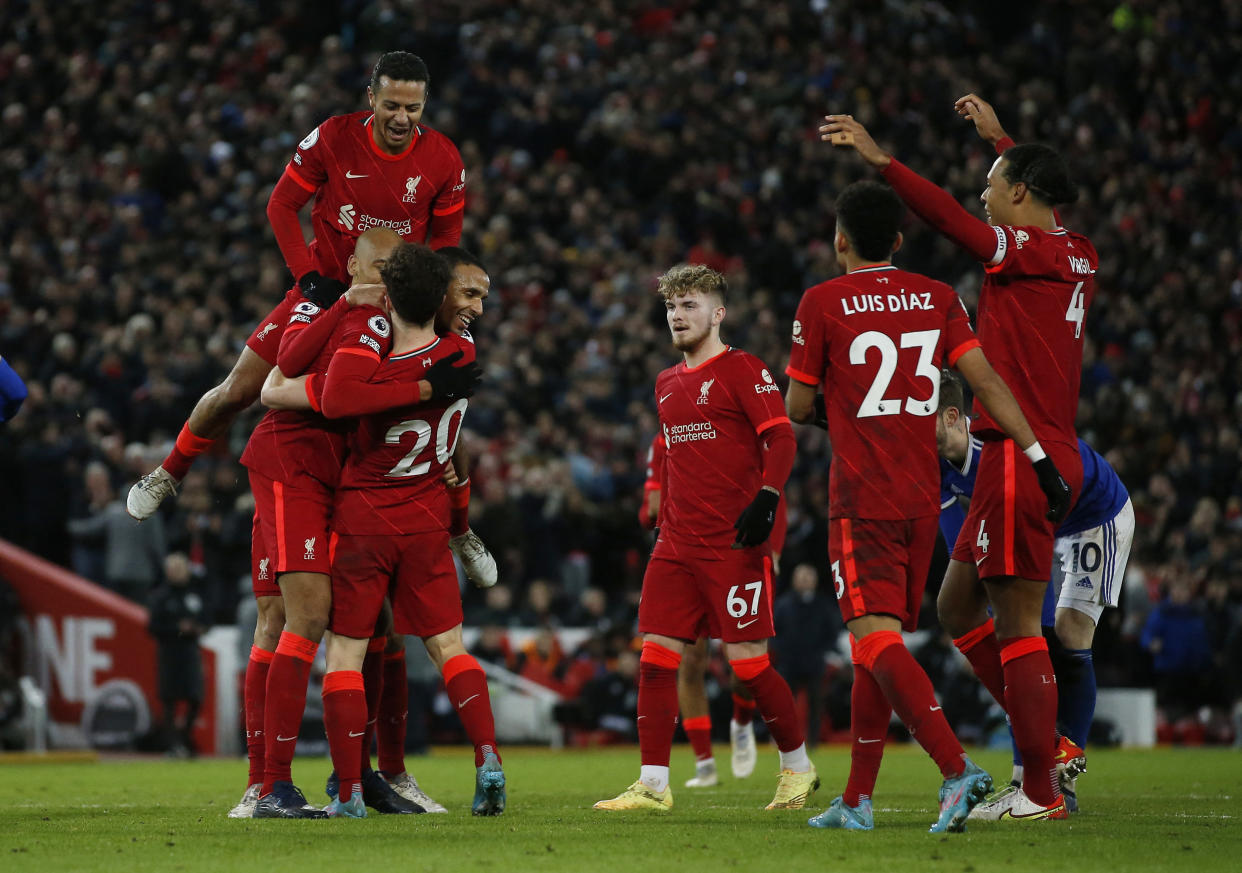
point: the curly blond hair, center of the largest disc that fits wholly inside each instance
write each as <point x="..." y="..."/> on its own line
<point x="685" y="278"/>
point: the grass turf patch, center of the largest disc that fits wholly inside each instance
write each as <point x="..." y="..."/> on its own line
<point x="1164" y="809"/>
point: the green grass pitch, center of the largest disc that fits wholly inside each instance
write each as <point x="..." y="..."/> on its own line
<point x="1167" y="809"/>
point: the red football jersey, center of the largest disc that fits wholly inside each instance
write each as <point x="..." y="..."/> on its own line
<point x="713" y="417"/>
<point x="875" y="338"/>
<point x="1032" y="306"/>
<point x="359" y="187"/>
<point x="392" y="482"/>
<point x="289" y="444"/>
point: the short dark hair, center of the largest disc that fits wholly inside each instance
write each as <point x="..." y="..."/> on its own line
<point x="1042" y="170"/>
<point x="416" y="279"/>
<point x="399" y="67"/>
<point x="870" y="215"/>
<point x="456" y="256"/>
<point x="951" y="392"/>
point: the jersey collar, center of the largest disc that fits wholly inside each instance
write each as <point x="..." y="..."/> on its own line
<point x="872" y="269"/>
<point x="383" y="154"/>
<point x="690" y="369"/>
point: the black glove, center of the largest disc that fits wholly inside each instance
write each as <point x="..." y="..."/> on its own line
<point x="821" y="412"/>
<point x="321" y="290"/>
<point x="452" y="383"/>
<point x="755" y="523"/>
<point x="1054" y="488"/>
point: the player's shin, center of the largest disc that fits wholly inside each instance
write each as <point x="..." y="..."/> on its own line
<point x="869" y="717"/>
<point x="466" y="686"/>
<point x="286" y="700"/>
<point x="344" y="719"/>
<point x="657" y="711"/>
<point x="1031" y="691"/>
<point x="187" y="447"/>
<point x="255" y="696"/>
<point x="910" y="693"/>
<point x="394" y="708"/>
<point x="981" y="648"/>
<point x="1076" y="695"/>
<point x="777" y="707"/>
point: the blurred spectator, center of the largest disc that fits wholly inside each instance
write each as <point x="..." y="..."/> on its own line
<point x="178" y="619"/>
<point x="1176" y="634"/>
<point x="133" y="553"/>
<point x="807" y="624"/>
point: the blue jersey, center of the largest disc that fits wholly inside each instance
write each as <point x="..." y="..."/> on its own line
<point x="1101" y="498"/>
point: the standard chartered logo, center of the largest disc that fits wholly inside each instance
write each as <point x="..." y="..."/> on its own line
<point x="689" y="433"/>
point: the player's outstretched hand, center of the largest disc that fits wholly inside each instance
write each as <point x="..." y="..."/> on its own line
<point x="371" y="294"/>
<point x="980" y="111"/>
<point x="449" y="382"/>
<point x="755" y="523"/>
<point x="844" y="131"/>
<point x="1055" y="489"/>
<point x="321" y="290"/>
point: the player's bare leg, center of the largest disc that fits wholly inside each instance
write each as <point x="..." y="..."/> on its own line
<point x="466" y="686"/>
<point x="696" y="720"/>
<point x="1029" y="692"/>
<point x="657" y="720"/>
<point x="797" y="780"/>
<point x="270" y="622"/>
<point x="962" y="607"/>
<point x="212" y="416"/>
<point x="307" y="601"/>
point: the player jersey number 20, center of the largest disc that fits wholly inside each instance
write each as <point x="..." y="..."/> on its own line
<point x="409" y="465"/>
<point x="875" y="403"/>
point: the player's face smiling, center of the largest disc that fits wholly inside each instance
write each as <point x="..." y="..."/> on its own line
<point x="464" y="301"/>
<point x="690" y="319"/>
<point x="398" y="108"/>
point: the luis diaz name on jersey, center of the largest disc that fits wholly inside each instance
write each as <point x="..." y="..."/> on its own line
<point x="903" y="301"/>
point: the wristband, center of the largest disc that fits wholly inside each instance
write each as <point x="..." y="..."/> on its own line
<point x="1034" y="452"/>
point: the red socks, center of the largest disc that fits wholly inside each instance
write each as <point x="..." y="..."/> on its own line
<point x="910" y="693"/>
<point x="459" y="509"/>
<point x="286" y="700"/>
<point x="185" y="450"/>
<point x="743" y="709"/>
<point x="254" y="697"/>
<point x="344" y="720"/>
<point x="394" y="705"/>
<point x="657" y="703"/>
<point x="869" y="717"/>
<point x="1031" y="695"/>
<point x="982" y="650"/>
<point x="699" y="733"/>
<point x="774" y="699"/>
<point x="466" y="685"/>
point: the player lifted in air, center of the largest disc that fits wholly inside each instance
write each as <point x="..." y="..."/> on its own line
<point x="377" y="168"/>
<point x="875" y="339"/>
<point x="729" y="451"/>
<point x="1092" y="547"/>
<point x="1037" y="288"/>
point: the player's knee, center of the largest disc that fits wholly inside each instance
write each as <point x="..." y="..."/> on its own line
<point x="1074" y="629"/>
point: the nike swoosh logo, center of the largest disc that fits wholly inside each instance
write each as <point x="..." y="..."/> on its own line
<point x="770" y="720"/>
<point x="360" y="733"/>
<point x="349" y="174"/>
<point x="876" y="740"/>
<point x="666" y="396"/>
<point x="467" y="700"/>
<point x="935" y="709"/>
<point x="743" y="626"/>
<point x="281" y="739"/>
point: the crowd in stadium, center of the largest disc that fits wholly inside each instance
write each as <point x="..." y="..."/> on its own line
<point x="141" y="144"/>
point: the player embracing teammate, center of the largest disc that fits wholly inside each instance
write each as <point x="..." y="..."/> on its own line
<point x="1037" y="289"/>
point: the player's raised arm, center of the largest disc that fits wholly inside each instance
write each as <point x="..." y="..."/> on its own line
<point x="995" y="395"/>
<point x="930" y="202"/>
<point x="980" y="112"/>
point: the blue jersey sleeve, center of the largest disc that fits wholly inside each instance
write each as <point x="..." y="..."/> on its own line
<point x="12" y="391"/>
<point x="952" y="517"/>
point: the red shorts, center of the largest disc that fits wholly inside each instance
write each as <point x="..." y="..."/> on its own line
<point x="689" y="597"/>
<point x="415" y="571"/>
<point x="293" y="523"/>
<point x="1005" y="532"/>
<point x="880" y="567"/>
<point x="262" y="575"/>
<point x="265" y="338"/>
